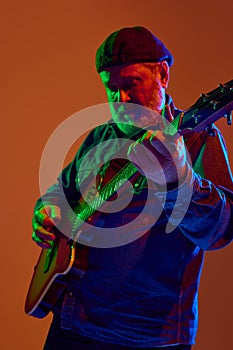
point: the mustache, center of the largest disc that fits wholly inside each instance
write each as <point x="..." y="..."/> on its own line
<point x="128" y="108"/>
<point x="131" y="112"/>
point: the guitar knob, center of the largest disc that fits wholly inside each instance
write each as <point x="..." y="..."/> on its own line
<point x="222" y="87"/>
<point x="204" y="97"/>
<point x="214" y="104"/>
<point x="196" y="118"/>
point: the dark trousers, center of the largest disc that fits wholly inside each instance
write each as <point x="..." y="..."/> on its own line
<point x="60" y="339"/>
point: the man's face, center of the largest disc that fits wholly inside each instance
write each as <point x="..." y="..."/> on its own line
<point x="140" y="84"/>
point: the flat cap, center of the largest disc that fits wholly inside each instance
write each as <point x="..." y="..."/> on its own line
<point x="131" y="45"/>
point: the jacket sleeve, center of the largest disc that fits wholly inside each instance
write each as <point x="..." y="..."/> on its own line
<point x="207" y="220"/>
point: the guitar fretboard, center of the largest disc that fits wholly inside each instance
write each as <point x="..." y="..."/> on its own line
<point x="88" y="209"/>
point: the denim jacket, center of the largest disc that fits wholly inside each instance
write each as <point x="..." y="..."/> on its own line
<point x="144" y="292"/>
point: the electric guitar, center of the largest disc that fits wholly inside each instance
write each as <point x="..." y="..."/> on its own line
<point x="66" y="257"/>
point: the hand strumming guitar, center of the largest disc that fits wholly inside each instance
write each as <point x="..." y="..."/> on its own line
<point x="161" y="159"/>
<point x="160" y="156"/>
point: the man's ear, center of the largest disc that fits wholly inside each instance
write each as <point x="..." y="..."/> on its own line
<point x="165" y="74"/>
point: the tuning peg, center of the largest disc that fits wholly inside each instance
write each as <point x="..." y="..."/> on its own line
<point x="222" y="87"/>
<point x="227" y="86"/>
<point x="196" y="118"/>
<point x="214" y="104"/>
<point x="229" y="118"/>
<point x="204" y="97"/>
<point x="211" y="130"/>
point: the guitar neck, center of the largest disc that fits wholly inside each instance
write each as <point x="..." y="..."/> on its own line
<point x="104" y="194"/>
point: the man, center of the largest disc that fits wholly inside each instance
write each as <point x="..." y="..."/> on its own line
<point x="139" y="292"/>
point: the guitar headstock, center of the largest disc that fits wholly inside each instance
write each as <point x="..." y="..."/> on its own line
<point x="208" y="109"/>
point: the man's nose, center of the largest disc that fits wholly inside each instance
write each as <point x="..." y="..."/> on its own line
<point x="124" y="96"/>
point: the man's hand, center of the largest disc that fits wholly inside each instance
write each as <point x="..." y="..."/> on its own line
<point x="161" y="158"/>
<point x="44" y="221"/>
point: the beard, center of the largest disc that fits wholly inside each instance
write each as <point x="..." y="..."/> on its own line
<point x="144" y="116"/>
<point x="130" y="117"/>
<point x="143" y="110"/>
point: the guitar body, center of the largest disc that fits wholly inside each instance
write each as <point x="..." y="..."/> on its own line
<point x="51" y="274"/>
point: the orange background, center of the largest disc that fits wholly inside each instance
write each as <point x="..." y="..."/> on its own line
<point x="47" y="74"/>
